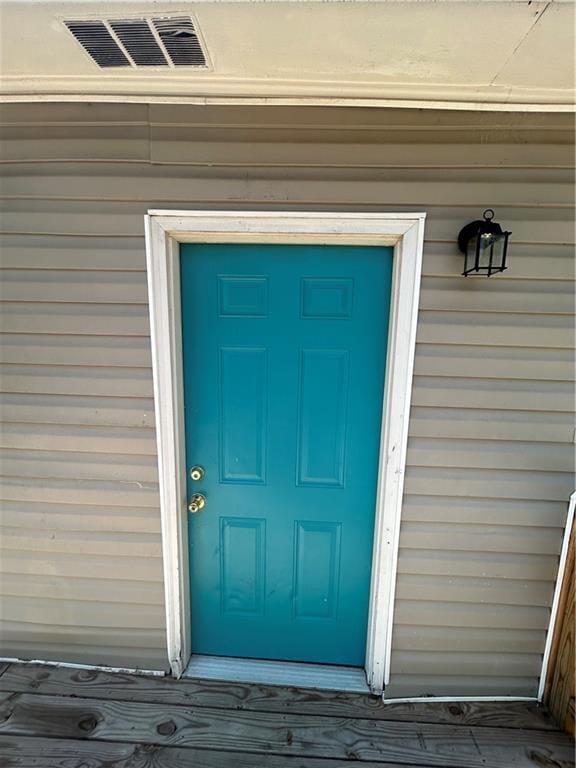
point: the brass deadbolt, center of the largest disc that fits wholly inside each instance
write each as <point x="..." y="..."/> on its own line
<point x="196" y="473"/>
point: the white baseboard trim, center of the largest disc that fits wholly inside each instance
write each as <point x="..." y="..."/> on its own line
<point x="445" y="699"/>
<point x="71" y="665"/>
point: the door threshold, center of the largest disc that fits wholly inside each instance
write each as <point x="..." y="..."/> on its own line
<point x="286" y="673"/>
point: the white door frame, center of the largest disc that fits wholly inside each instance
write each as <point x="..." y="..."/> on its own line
<point x="165" y="230"/>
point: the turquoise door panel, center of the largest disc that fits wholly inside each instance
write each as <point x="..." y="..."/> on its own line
<point x="284" y="358"/>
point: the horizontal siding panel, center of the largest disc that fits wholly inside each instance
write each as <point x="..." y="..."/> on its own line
<point x="73" y="490"/>
<point x="446" y="614"/>
<point x="68" y="253"/>
<point x="481" y="538"/>
<point x="499" y="394"/>
<point x="488" y="424"/>
<point x="89" y="112"/>
<point x="406" y="130"/>
<point x="126" y="219"/>
<point x="38" y="611"/>
<point x="495" y="329"/>
<point x="456" y="294"/>
<point x="490" y="454"/>
<point x="108" y="569"/>
<point x="88" y="132"/>
<point x="503" y="484"/>
<point x="477" y="564"/>
<point x="74" y="114"/>
<point x="249" y="116"/>
<point x="118" y="655"/>
<point x="68" y="349"/>
<point x="528" y="261"/>
<point x="511" y="512"/>
<point x="43" y="636"/>
<point x="91" y="411"/>
<point x="174" y="145"/>
<point x="80" y="517"/>
<point x="52" y="588"/>
<point x="441" y="685"/>
<point x="132" y="544"/>
<point x="362" y="119"/>
<point x="114" y="381"/>
<point x="70" y="318"/>
<point x="55" y="285"/>
<point x="462" y="590"/>
<point x="180" y="184"/>
<point x="453" y="662"/>
<point x="84" y="466"/>
<point x="252" y="147"/>
<point x="414" y="638"/>
<point x="133" y="146"/>
<point x="468" y="361"/>
<point x="78" y="439"/>
<point x="20" y="176"/>
<point x="70" y="180"/>
<point x="27" y="251"/>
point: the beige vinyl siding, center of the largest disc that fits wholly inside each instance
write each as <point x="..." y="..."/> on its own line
<point x="490" y="455"/>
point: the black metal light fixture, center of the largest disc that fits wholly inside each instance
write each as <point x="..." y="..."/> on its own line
<point x="484" y="245"/>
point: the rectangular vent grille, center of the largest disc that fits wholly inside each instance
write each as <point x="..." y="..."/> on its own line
<point x="95" y="37"/>
<point x="166" y="42"/>
<point x="181" y="42"/>
<point x="136" y="36"/>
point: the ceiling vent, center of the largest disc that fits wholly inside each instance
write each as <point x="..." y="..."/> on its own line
<point x="95" y="38"/>
<point x="163" y="42"/>
<point x="140" y="43"/>
<point x="181" y="42"/>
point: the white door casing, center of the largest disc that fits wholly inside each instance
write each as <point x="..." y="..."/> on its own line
<point x="165" y="230"/>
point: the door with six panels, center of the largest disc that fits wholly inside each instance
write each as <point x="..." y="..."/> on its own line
<point x="284" y="363"/>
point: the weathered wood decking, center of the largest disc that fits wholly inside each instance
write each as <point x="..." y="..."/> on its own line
<point x="67" y="718"/>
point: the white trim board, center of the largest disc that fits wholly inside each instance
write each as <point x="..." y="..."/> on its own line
<point x="165" y="230"/>
<point x="556" y="598"/>
<point x="447" y="699"/>
<point x="72" y="665"/>
<point x="16" y="90"/>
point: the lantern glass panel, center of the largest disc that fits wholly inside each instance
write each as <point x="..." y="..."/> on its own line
<point x="486" y="245"/>
<point x="486" y="253"/>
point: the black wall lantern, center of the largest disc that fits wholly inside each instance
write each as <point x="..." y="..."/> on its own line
<point x="484" y="245"/>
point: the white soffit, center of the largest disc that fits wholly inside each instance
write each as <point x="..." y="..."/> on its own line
<point x="460" y="54"/>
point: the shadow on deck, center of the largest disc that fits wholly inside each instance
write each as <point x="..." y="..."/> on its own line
<point x="68" y="718"/>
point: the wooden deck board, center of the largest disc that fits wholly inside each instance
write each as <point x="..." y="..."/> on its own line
<point x="62" y="681"/>
<point x="25" y="752"/>
<point x="297" y="735"/>
<point x="58" y="717"/>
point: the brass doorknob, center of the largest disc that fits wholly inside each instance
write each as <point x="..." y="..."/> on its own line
<point x="197" y="473"/>
<point x="197" y="502"/>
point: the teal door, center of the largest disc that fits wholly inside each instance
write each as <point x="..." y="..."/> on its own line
<point x="284" y="358"/>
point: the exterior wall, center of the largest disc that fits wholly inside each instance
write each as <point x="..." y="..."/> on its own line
<point x="490" y="456"/>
